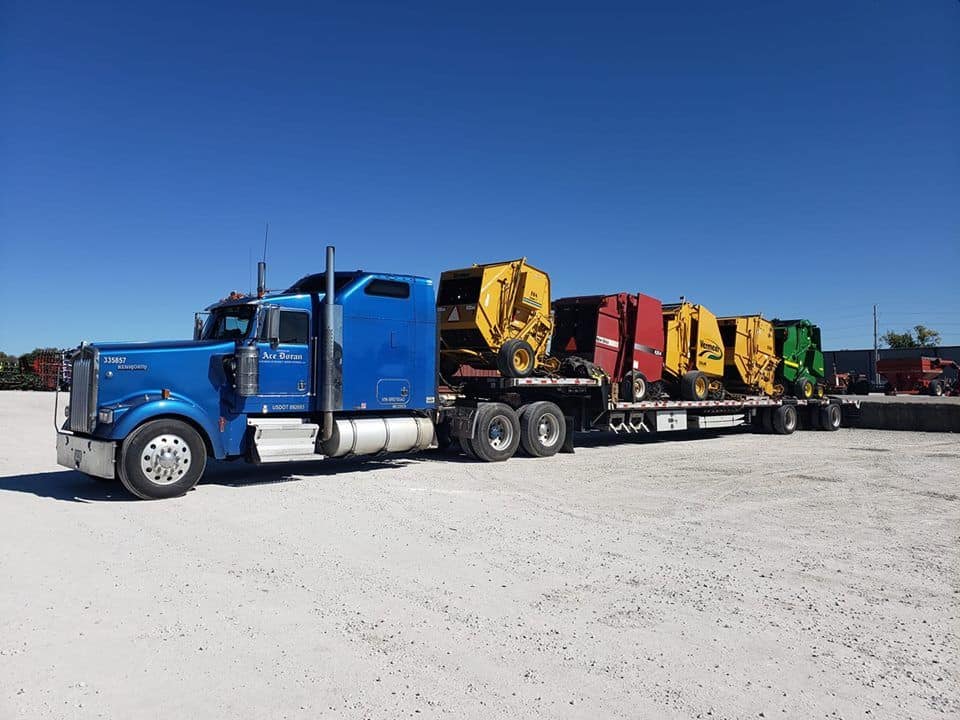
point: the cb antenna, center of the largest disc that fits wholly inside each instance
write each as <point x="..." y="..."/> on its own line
<point x="262" y="266"/>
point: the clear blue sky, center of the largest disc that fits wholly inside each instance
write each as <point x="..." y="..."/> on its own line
<point x="794" y="158"/>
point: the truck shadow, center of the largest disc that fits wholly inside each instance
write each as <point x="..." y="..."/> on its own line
<point x="72" y="486"/>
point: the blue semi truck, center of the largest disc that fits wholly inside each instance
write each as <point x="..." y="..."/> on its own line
<point x="340" y="364"/>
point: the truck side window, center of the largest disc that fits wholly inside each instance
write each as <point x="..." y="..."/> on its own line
<point x="388" y="288"/>
<point x="294" y="327"/>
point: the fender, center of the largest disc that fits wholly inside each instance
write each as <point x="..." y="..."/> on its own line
<point x="175" y="406"/>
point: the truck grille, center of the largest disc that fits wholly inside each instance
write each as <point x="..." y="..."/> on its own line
<point x="83" y="390"/>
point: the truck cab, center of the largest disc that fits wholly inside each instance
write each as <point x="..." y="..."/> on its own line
<point x="269" y="378"/>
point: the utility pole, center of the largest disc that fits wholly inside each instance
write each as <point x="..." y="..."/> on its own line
<point x="876" y="378"/>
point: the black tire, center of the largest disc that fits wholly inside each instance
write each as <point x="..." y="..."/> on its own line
<point x="467" y="448"/>
<point x="831" y="417"/>
<point x="804" y="388"/>
<point x="496" y="432"/>
<point x="173" y="452"/>
<point x="784" y="419"/>
<point x="542" y="429"/>
<point x="634" y="387"/>
<point x="936" y="388"/>
<point x="516" y="359"/>
<point x="694" y="385"/>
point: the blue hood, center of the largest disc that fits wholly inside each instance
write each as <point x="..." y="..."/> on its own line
<point x="187" y="368"/>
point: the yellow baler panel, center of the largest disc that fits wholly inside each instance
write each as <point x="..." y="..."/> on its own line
<point x="709" y="343"/>
<point x="751" y="356"/>
<point x="692" y="340"/>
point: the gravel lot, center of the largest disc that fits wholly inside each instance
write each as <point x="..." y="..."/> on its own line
<point x="725" y="576"/>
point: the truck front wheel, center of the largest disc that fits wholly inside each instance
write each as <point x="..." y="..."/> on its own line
<point x="162" y="459"/>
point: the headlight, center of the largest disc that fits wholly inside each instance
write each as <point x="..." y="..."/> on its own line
<point x="105" y="416"/>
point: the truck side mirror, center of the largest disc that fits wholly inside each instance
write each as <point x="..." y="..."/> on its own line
<point x="197" y="326"/>
<point x="273" y="326"/>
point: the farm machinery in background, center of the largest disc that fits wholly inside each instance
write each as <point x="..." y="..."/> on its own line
<point x="919" y="376"/>
<point x="38" y="370"/>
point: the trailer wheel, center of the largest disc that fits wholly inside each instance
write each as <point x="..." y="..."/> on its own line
<point x="694" y="386"/>
<point x="831" y="417"/>
<point x="803" y="388"/>
<point x="162" y="459"/>
<point x="516" y="359"/>
<point x="633" y="387"/>
<point x="936" y="388"/>
<point x="784" y="419"/>
<point x="542" y="429"/>
<point x="496" y="432"/>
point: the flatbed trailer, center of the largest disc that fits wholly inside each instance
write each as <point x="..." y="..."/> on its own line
<point x="480" y="413"/>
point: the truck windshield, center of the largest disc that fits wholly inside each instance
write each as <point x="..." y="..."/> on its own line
<point x="229" y="323"/>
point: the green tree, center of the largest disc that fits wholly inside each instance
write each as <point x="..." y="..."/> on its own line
<point x="897" y="340"/>
<point x="920" y="336"/>
<point x="926" y="337"/>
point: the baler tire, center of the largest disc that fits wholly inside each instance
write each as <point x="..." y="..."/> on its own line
<point x="831" y="417"/>
<point x="502" y="447"/>
<point x="784" y="420"/>
<point x="935" y="388"/>
<point x="694" y="386"/>
<point x="542" y="429"/>
<point x="147" y="444"/>
<point x="803" y="388"/>
<point x="507" y="359"/>
<point x="633" y="387"/>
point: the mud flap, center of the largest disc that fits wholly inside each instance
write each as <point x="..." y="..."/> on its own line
<point x="567" y="446"/>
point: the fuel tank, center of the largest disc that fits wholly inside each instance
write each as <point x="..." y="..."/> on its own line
<point x="373" y="435"/>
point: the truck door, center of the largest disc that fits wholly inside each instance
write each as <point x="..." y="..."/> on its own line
<point x="285" y="378"/>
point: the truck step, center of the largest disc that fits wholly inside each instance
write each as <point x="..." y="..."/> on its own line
<point x="283" y="440"/>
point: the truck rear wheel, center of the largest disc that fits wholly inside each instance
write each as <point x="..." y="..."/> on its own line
<point x="694" y="386"/>
<point x="542" y="429"/>
<point x="516" y="359"/>
<point x="784" y="419"/>
<point x="496" y="432"/>
<point x="831" y="417"/>
<point x="467" y="446"/>
<point x="162" y="459"/>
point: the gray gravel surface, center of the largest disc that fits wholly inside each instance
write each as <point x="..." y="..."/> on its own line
<point x="727" y="576"/>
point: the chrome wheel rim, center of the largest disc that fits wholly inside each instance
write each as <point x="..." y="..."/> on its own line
<point x="500" y="433"/>
<point x="165" y="459"/>
<point x="548" y="430"/>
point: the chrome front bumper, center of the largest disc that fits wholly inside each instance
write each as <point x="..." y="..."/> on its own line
<point x="90" y="456"/>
